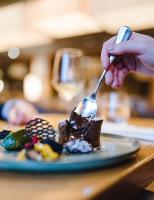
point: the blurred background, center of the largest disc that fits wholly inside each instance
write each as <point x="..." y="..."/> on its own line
<point x="31" y="32"/>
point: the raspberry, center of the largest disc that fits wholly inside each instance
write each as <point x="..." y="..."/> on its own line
<point x="35" y="139"/>
<point x="30" y="145"/>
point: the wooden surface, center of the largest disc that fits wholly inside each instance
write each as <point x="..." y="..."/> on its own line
<point x="118" y="182"/>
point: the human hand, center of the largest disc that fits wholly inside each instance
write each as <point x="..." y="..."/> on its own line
<point x="18" y="112"/>
<point x="134" y="55"/>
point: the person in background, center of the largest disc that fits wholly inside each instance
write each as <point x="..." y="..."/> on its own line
<point x="134" y="55"/>
<point x="17" y="112"/>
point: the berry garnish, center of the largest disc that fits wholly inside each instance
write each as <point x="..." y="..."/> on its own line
<point x="4" y="133"/>
<point x="30" y="145"/>
<point x="35" y="139"/>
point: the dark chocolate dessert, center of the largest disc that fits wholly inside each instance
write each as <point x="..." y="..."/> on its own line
<point x="80" y="134"/>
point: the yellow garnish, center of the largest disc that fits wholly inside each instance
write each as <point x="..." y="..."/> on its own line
<point x="22" y="155"/>
<point x="46" y="151"/>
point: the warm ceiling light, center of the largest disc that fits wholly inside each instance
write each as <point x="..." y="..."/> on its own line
<point x="15" y="30"/>
<point x="33" y="23"/>
<point x="67" y="25"/>
<point x="137" y="16"/>
<point x="22" y="39"/>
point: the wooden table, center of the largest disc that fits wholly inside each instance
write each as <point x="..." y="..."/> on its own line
<point x="118" y="182"/>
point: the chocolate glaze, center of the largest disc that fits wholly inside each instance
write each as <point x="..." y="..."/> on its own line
<point x="79" y="127"/>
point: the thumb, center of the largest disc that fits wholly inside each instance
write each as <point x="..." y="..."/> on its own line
<point x="125" y="47"/>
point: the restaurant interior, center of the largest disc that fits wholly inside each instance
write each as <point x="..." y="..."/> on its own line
<point x="32" y="31"/>
<point x="35" y="34"/>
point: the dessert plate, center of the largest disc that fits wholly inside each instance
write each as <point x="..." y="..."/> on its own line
<point x="115" y="149"/>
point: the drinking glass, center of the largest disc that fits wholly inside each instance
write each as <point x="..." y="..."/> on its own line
<point x="68" y="75"/>
<point x="115" y="107"/>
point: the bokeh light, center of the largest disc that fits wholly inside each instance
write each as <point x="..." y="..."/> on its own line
<point x="13" y="52"/>
<point x="33" y="87"/>
<point x="1" y="85"/>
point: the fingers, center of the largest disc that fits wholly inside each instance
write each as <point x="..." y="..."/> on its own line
<point x="18" y="117"/>
<point x="126" y="47"/>
<point x="132" y="46"/>
<point x="115" y="83"/>
<point x="21" y="113"/>
<point x="105" y="54"/>
<point x="115" y="77"/>
<point x="121" y="75"/>
<point x="127" y="52"/>
<point x="109" y="77"/>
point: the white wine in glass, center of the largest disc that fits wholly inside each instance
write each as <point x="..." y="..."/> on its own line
<point x="68" y="76"/>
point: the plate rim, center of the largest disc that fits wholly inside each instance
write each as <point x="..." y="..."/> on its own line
<point x="34" y="166"/>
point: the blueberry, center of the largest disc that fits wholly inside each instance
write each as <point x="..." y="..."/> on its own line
<point x="4" y="133"/>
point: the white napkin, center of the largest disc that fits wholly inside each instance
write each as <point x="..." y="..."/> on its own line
<point x="125" y="129"/>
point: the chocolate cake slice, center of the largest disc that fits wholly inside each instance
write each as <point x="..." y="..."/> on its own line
<point x="79" y="129"/>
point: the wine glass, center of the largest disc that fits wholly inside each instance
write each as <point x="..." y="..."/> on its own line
<point x="115" y="107"/>
<point x="68" y="75"/>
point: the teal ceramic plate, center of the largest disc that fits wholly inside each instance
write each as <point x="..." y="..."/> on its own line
<point x="114" y="151"/>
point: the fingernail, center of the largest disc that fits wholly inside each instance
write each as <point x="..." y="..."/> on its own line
<point x="110" y="48"/>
